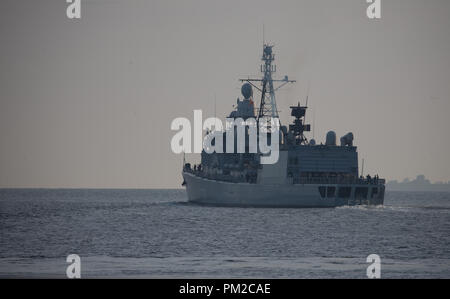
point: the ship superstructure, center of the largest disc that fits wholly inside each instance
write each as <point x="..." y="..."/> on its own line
<point x="306" y="174"/>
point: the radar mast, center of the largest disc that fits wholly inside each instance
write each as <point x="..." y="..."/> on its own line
<point x="268" y="104"/>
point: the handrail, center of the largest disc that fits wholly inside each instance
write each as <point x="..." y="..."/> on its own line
<point x="340" y="180"/>
<point x="302" y="181"/>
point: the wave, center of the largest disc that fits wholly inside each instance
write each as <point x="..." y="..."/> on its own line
<point x="396" y="208"/>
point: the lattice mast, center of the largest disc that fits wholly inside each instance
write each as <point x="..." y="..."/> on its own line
<point x="268" y="104"/>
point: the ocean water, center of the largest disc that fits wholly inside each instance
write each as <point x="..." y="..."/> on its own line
<point x="157" y="234"/>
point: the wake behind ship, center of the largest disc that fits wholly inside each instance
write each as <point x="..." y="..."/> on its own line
<point x="306" y="174"/>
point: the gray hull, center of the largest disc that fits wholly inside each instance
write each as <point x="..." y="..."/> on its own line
<point x="219" y="193"/>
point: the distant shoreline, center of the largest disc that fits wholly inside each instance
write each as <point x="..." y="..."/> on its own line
<point x="416" y="190"/>
<point x="420" y="184"/>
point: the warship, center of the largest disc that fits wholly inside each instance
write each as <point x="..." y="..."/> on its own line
<point x="306" y="174"/>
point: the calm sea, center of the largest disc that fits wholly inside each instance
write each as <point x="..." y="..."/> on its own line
<point x="157" y="234"/>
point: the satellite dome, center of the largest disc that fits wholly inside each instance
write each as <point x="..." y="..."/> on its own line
<point x="247" y="90"/>
<point x="347" y="139"/>
<point x="268" y="50"/>
<point x="331" y="138"/>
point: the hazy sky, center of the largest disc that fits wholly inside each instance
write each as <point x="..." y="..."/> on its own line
<point x="88" y="103"/>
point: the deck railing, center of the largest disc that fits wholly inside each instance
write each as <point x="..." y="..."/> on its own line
<point x="222" y="177"/>
<point x="340" y="180"/>
<point x="302" y="181"/>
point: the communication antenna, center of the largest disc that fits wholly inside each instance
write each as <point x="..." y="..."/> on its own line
<point x="314" y="123"/>
<point x="362" y="170"/>
<point x="307" y="97"/>
<point x="264" y="40"/>
<point x="306" y="106"/>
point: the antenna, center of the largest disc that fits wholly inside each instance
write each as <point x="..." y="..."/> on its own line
<point x="314" y="123"/>
<point x="264" y="40"/>
<point x="362" y="170"/>
<point x="307" y="97"/>
<point x="307" y="94"/>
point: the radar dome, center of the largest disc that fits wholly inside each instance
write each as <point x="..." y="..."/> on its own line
<point x="347" y="139"/>
<point x="331" y="138"/>
<point x="247" y="90"/>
